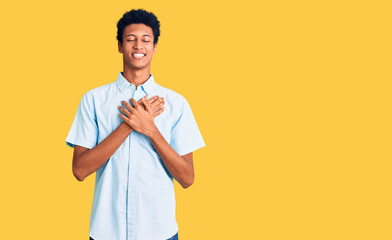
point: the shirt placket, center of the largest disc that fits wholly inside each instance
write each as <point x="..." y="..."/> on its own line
<point x="132" y="187"/>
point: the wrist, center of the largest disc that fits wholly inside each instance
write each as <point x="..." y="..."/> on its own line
<point x="153" y="133"/>
<point x="124" y="126"/>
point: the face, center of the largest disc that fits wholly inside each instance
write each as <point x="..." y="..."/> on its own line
<point x="138" y="46"/>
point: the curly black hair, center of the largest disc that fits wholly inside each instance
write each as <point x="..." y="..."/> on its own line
<point x="138" y="16"/>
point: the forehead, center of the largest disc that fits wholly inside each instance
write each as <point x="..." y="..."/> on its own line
<point x="138" y="29"/>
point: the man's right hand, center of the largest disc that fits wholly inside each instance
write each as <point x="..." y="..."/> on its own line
<point x="156" y="104"/>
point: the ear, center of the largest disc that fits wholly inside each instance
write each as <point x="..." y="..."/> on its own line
<point x="120" y="50"/>
<point x="155" y="48"/>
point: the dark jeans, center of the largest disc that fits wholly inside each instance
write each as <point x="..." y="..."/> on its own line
<point x="175" y="237"/>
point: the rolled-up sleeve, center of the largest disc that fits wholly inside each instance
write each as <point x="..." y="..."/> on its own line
<point x="84" y="129"/>
<point x="185" y="134"/>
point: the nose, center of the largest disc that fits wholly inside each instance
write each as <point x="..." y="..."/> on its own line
<point x="137" y="44"/>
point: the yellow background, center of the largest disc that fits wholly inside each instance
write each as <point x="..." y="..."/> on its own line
<point x="293" y="99"/>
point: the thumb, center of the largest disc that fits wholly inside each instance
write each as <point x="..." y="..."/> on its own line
<point x="134" y="103"/>
<point x="146" y="105"/>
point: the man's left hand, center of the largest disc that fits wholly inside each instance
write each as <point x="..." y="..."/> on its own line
<point x="138" y="117"/>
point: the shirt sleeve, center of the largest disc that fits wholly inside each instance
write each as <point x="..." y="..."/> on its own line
<point x="84" y="129"/>
<point x="185" y="134"/>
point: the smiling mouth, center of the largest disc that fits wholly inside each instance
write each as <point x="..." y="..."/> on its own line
<point x="138" y="55"/>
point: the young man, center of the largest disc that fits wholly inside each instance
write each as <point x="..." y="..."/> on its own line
<point x="137" y="136"/>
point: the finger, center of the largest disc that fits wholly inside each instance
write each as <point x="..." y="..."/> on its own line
<point x="153" y="99"/>
<point x="159" y="112"/>
<point x="147" y="106"/>
<point x="135" y="104"/>
<point x="128" y="106"/>
<point x="124" y="110"/>
<point x="154" y="104"/>
<point x="140" y="100"/>
<point x="157" y="104"/>
<point x="124" y="118"/>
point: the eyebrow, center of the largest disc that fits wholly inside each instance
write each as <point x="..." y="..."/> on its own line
<point x="135" y="35"/>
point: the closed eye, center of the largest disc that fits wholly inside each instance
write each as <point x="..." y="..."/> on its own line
<point x="134" y="40"/>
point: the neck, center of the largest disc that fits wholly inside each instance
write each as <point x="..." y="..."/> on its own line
<point x="136" y="77"/>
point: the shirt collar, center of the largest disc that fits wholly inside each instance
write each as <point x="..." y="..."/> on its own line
<point x="148" y="86"/>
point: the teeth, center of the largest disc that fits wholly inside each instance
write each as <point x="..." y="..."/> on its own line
<point x="138" y="54"/>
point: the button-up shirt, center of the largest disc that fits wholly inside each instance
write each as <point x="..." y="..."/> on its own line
<point x="134" y="193"/>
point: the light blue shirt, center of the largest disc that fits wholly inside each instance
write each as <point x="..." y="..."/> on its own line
<point x="134" y="193"/>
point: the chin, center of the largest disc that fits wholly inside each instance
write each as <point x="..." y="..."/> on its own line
<point x="138" y="67"/>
